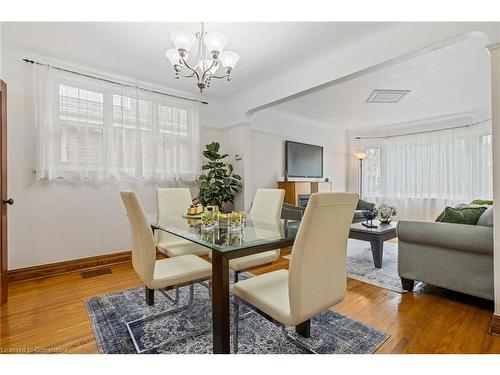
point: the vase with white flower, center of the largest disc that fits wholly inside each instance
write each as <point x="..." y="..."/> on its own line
<point x="385" y="213"/>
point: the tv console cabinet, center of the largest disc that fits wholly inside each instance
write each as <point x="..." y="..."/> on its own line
<point x="297" y="191"/>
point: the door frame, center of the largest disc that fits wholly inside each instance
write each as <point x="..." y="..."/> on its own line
<point x="3" y="193"/>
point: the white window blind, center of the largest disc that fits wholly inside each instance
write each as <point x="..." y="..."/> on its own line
<point x="92" y="130"/>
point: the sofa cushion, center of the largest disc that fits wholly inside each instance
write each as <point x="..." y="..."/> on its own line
<point x="461" y="237"/>
<point x="486" y="219"/>
<point x="364" y="205"/>
<point x="358" y="214"/>
<point x="482" y="202"/>
<point x="461" y="215"/>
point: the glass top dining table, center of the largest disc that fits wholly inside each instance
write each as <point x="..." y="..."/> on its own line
<point x="254" y="232"/>
<point x="256" y="235"/>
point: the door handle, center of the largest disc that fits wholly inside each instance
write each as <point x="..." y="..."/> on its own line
<point x="9" y="201"/>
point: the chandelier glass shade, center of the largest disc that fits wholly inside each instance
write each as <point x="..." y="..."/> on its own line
<point x="210" y="56"/>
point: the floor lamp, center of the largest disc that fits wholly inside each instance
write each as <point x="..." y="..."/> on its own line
<point x="360" y="155"/>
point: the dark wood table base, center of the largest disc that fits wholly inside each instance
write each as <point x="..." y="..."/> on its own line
<point x="376" y="239"/>
<point x="220" y="303"/>
<point x="220" y="294"/>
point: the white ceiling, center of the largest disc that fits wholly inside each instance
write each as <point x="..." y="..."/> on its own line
<point x="448" y="81"/>
<point x="137" y="49"/>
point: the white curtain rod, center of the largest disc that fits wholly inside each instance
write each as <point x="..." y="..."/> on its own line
<point x="425" y="131"/>
<point x="26" y="60"/>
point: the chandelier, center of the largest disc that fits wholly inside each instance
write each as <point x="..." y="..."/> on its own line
<point x="210" y="55"/>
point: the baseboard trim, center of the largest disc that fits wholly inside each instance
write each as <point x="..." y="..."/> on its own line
<point x="76" y="265"/>
<point x="495" y="325"/>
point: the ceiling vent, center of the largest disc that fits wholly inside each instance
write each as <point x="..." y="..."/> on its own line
<point x="387" y="96"/>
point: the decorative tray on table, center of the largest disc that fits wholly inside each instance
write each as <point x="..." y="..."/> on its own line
<point x="194" y="212"/>
<point x="194" y="216"/>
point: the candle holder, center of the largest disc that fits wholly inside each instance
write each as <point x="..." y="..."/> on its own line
<point x="208" y="220"/>
<point x="234" y="222"/>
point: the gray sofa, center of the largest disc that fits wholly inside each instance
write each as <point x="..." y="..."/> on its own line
<point x="291" y="212"/>
<point x="362" y="205"/>
<point x="453" y="256"/>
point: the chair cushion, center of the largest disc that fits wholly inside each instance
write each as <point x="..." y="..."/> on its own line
<point x="179" y="270"/>
<point x="254" y="260"/>
<point x="243" y="263"/>
<point x="268" y="293"/>
<point x="181" y="247"/>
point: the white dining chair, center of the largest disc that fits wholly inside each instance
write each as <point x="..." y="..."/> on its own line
<point x="159" y="274"/>
<point x="316" y="279"/>
<point x="173" y="203"/>
<point x="266" y="206"/>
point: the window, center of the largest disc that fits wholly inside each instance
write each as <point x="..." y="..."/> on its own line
<point x="485" y="167"/>
<point x="81" y="121"/>
<point x="372" y="177"/>
<point x="88" y="129"/>
<point x="421" y="174"/>
<point x="132" y="135"/>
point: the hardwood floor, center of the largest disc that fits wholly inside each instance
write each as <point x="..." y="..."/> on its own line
<point x="49" y="315"/>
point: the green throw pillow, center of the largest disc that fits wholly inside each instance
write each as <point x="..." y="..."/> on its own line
<point x="440" y="217"/>
<point x="482" y="202"/>
<point x="461" y="215"/>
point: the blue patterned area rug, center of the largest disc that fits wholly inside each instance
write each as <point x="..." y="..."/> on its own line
<point x="189" y="330"/>
<point x="360" y="265"/>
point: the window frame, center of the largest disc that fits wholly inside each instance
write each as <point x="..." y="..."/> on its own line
<point x="473" y="153"/>
<point x="70" y="165"/>
<point x="152" y="171"/>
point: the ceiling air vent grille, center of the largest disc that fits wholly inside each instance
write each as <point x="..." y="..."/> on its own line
<point x="386" y="96"/>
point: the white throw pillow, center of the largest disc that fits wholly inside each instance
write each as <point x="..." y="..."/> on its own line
<point x="486" y="219"/>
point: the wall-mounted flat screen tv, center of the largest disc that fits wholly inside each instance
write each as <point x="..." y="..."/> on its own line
<point x="303" y="160"/>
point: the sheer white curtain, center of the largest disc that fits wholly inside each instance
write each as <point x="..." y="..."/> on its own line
<point x="92" y="130"/>
<point x="423" y="173"/>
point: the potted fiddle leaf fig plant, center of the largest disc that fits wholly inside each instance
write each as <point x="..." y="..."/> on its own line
<point x="219" y="184"/>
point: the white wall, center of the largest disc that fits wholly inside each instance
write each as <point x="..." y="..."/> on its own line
<point x="269" y="131"/>
<point x="236" y="141"/>
<point x="232" y="141"/>
<point x="495" y="106"/>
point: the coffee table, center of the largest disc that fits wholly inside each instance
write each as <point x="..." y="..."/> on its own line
<point x="376" y="237"/>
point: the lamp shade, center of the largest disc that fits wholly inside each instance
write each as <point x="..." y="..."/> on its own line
<point x="229" y="59"/>
<point x="173" y="56"/>
<point x="215" y="41"/>
<point x="182" y="39"/>
<point x="360" y="155"/>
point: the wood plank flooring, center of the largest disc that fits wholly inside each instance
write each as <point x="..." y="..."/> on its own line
<point x="49" y="315"/>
